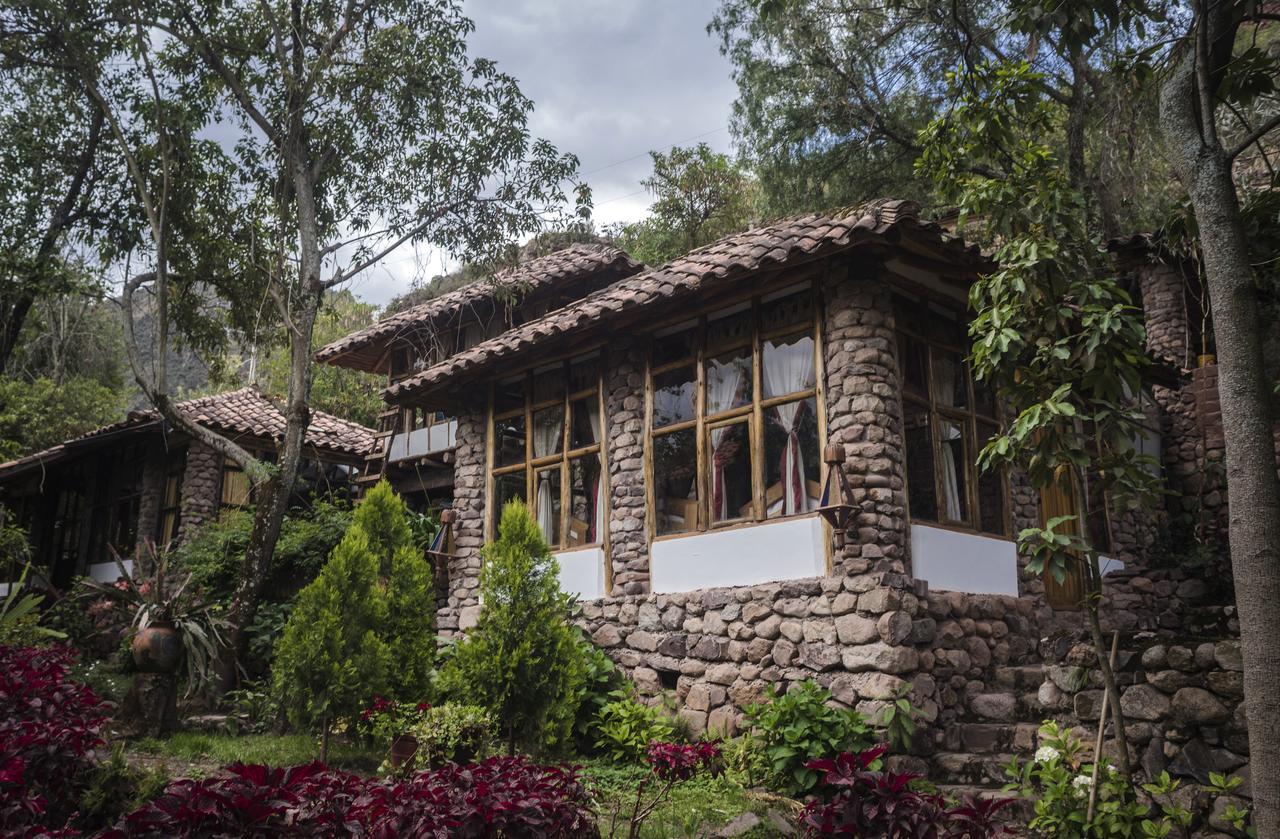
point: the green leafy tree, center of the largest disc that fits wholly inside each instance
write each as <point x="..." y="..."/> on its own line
<point x="1054" y="330"/>
<point x="331" y="658"/>
<point x="521" y="660"/>
<point x="35" y="415"/>
<point x="699" y="196"/>
<point x="408" y="585"/>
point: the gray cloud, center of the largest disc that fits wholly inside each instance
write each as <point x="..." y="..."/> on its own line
<point x="609" y="81"/>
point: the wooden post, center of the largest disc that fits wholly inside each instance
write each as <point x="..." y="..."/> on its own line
<point x="1102" y="727"/>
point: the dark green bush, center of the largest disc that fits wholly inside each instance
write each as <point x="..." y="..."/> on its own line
<point x="521" y="661"/>
<point x="801" y="726"/>
<point x="625" y="727"/>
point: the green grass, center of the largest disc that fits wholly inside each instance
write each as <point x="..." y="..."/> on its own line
<point x="272" y="749"/>
<point x="709" y="802"/>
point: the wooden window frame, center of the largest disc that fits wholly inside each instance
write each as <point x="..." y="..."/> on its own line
<point x="752" y="413"/>
<point x="170" y="518"/>
<point x="563" y="459"/>
<point x="229" y="466"/>
<point x="968" y="417"/>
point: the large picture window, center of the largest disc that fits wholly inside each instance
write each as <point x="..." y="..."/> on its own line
<point x="734" y="419"/>
<point x="947" y="419"/>
<point x="547" y="451"/>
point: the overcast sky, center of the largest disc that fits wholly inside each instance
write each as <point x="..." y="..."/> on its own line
<point x="610" y="80"/>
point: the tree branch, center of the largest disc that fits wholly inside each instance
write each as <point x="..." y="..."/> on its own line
<point x="1256" y="135"/>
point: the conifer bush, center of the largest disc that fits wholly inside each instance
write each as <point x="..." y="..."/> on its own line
<point x="521" y="661"/>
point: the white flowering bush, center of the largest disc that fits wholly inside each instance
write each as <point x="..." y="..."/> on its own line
<point x="1058" y="781"/>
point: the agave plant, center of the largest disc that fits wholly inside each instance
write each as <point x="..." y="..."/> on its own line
<point x="151" y="592"/>
<point x="20" y="615"/>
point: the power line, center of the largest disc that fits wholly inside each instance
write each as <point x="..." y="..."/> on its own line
<point x="643" y="153"/>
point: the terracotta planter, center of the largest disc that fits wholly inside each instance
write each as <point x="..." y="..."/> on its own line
<point x="403" y="748"/>
<point x="158" y="648"/>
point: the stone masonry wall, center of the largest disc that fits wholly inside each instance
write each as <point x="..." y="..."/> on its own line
<point x="864" y="415"/>
<point x="624" y="410"/>
<point x="201" y="488"/>
<point x="153" y="477"/>
<point x="462" y="605"/>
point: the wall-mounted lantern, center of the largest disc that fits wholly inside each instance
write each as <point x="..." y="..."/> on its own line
<point x="834" y="504"/>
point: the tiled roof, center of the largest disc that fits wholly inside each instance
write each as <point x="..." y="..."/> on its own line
<point x="576" y="260"/>
<point x="797" y="238"/>
<point x="239" y="413"/>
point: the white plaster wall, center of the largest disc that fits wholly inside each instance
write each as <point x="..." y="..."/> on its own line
<point x="422" y="441"/>
<point x="582" y="572"/>
<point x="742" y="556"/>
<point x="107" y="572"/>
<point x="953" y="561"/>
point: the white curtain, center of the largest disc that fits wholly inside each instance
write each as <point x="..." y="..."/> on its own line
<point x="788" y="368"/>
<point x="597" y="517"/>
<point x="950" y="475"/>
<point x="723" y="384"/>
<point x="669" y="405"/>
<point x="548" y="427"/>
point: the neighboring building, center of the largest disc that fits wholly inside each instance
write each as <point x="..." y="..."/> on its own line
<point x="670" y="431"/>
<point x="143" y="479"/>
<point x="416" y="444"/>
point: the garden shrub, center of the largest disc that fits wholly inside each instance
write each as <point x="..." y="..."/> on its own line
<point x="49" y="729"/>
<point x="331" y="658"/>
<point x="115" y="788"/>
<point x="625" y="727"/>
<point x="506" y="797"/>
<point x="800" y="726"/>
<point x="521" y="660"/>
<point x="452" y="733"/>
<point x="862" y="802"/>
<point x="600" y="679"/>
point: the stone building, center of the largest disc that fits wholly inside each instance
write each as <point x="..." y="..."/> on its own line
<point x="142" y="479"/>
<point x="673" y="433"/>
<point x="415" y="444"/>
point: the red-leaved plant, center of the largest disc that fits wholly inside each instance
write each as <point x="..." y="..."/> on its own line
<point x="507" y="797"/>
<point x="864" y="802"/>
<point x="672" y="764"/>
<point x="49" y="729"/>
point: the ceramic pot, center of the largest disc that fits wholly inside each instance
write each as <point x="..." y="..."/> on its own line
<point x="157" y="648"/>
<point x="403" y="748"/>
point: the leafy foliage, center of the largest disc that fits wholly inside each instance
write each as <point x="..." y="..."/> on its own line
<point x="452" y="733"/>
<point x="521" y="660"/>
<point x="801" y="726"/>
<point x="600" y="679"/>
<point x="625" y="727"/>
<point x="498" y="797"/>
<point x="860" y="800"/>
<point x="49" y="727"/>
<point x="699" y="196"/>
<point x="331" y="657"/>
<point x="20" y="617"/>
<point x="35" y="415"/>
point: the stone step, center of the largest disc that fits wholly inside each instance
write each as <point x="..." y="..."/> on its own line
<point x="985" y="770"/>
<point x="991" y="738"/>
<point x="1025" y="677"/>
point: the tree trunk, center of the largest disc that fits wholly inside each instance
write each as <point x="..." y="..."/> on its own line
<point x="1252" y="485"/>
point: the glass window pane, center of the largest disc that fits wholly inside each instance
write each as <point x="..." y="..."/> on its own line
<point x="921" y="489"/>
<point x="547" y="504"/>
<point x="729" y="381"/>
<point x="788" y="365"/>
<point x="792" y="468"/>
<point x="950" y="377"/>
<point x="946" y="326"/>
<point x="675" y="490"/>
<point x="586" y="501"/>
<point x="729" y="453"/>
<point x="984" y="397"/>
<point x="913" y="359"/>
<point x="548" y="431"/>
<point x="510" y="440"/>
<point x="584" y="374"/>
<point x="729" y="330"/>
<point x="793" y="310"/>
<point x="673" y="395"/>
<point x="549" y="385"/>
<point x="509" y="396"/>
<point x="990" y="490"/>
<point x="955" y="467"/>
<point x="509" y="487"/>
<point x="674" y="347"/>
<point x="585" y="417"/>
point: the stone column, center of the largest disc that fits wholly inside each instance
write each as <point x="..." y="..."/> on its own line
<point x="864" y="414"/>
<point x="462" y="608"/>
<point x="1164" y="310"/>
<point x="201" y="488"/>
<point x="153" y="477"/>
<point x="624" y="413"/>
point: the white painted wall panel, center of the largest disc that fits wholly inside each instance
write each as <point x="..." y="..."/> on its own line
<point x="582" y="572"/>
<point x="107" y="572"/>
<point x="743" y="556"/>
<point x="953" y="561"/>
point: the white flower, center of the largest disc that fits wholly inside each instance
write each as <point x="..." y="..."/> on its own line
<point x="1046" y="754"/>
<point x="1082" y="783"/>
